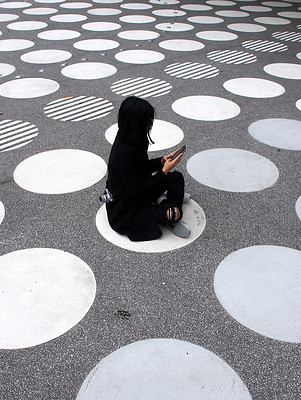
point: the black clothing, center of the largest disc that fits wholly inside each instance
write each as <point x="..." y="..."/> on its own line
<point x="134" y="187"/>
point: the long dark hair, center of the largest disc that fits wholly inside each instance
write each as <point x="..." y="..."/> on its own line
<point x="135" y="120"/>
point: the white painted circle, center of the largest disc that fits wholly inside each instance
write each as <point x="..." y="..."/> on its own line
<point x="60" y="171"/>
<point x="195" y="7"/>
<point x="163" y="133"/>
<point x="76" y="5"/>
<point x="259" y="287"/>
<point x="8" y="17"/>
<point x="276" y="4"/>
<point x="221" y="3"/>
<point x="139" y="56"/>
<point x="191" y="70"/>
<point x="49" y="1"/>
<point x="256" y="8"/>
<point x="277" y="132"/>
<point x="45" y="292"/>
<point x="232" y="57"/>
<point x="96" y="44"/>
<point x="220" y="36"/>
<point x="290" y="14"/>
<point x="193" y="217"/>
<point x="284" y="70"/>
<point x="205" y="20"/>
<point x="181" y="45"/>
<point x="2" y="212"/>
<point x="15" y="44"/>
<point x="288" y="36"/>
<point x="15" y="4"/>
<point x="298" y="104"/>
<point x="107" y="1"/>
<point x="164" y="2"/>
<point x="59" y="34"/>
<point x="68" y="18"/>
<point x="251" y="28"/>
<point x="28" y="88"/>
<point x="137" y="19"/>
<point x="232" y="170"/>
<point x="40" y="11"/>
<point x="298" y="55"/>
<point x="27" y="25"/>
<point x="298" y="207"/>
<point x="46" y="56"/>
<point x="174" y="27"/>
<point x="15" y="134"/>
<point x="162" y="369"/>
<point x="80" y="108"/>
<point x="272" y="21"/>
<point x="206" y="108"/>
<point x="141" y="87"/>
<point x="136" y="6"/>
<point x="89" y="70"/>
<point x="6" y="69"/>
<point x="254" y="87"/>
<point x="232" y="14"/>
<point x="104" y="11"/>
<point x="138" y="35"/>
<point x="101" y="26"/>
<point x="169" y="13"/>
<point x="265" y="46"/>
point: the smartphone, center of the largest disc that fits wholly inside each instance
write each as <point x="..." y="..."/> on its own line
<point x="181" y="150"/>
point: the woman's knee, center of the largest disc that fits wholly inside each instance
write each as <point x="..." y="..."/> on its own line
<point x="177" y="177"/>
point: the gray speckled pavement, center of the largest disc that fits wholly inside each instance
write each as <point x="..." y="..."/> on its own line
<point x="224" y="77"/>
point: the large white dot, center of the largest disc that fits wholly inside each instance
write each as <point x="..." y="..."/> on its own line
<point x="136" y="6"/>
<point x="206" y="108"/>
<point x="89" y="70"/>
<point x="272" y="20"/>
<point x="195" y="7"/>
<point x="138" y="35"/>
<point x="15" y="134"/>
<point x="259" y="286"/>
<point x="107" y="1"/>
<point x="59" y="34"/>
<point x="276" y="4"/>
<point x="141" y="87"/>
<point x="205" y="20"/>
<point x="27" y="25"/>
<point x="181" y="45"/>
<point x="6" y="69"/>
<point x="163" y="133"/>
<point x="169" y="13"/>
<point x="49" y="1"/>
<point x="298" y="55"/>
<point x="96" y="44"/>
<point x="164" y="2"/>
<point x="298" y="207"/>
<point x="298" y="104"/>
<point x="8" y="17"/>
<point x="193" y="216"/>
<point x="101" y="26"/>
<point x="284" y="70"/>
<point x="104" y="11"/>
<point x="219" y="36"/>
<point x="2" y="212"/>
<point x="174" y="27"/>
<point x="232" y="14"/>
<point x="290" y="14"/>
<point x="254" y="87"/>
<point x="162" y="369"/>
<point x="76" y="5"/>
<point x="40" y="11"/>
<point x="139" y="56"/>
<point x="60" y="171"/>
<point x="251" y="28"/>
<point x="277" y="132"/>
<point x="232" y="170"/>
<point x="232" y="57"/>
<point x="137" y="19"/>
<point x="256" y="8"/>
<point x="46" y="56"/>
<point x="221" y="3"/>
<point x="68" y="18"/>
<point x="28" y="88"/>
<point x="15" y="4"/>
<point x="15" y="44"/>
<point x="190" y="70"/>
<point x="44" y="293"/>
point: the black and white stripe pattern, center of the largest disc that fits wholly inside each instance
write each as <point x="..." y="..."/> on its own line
<point x="81" y="108"/>
<point x="232" y="57"/>
<point x="191" y="70"/>
<point x="264" y="46"/>
<point x="14" y="134"/>
<point x="288" y="36"/>
<point x="141" y="87"/>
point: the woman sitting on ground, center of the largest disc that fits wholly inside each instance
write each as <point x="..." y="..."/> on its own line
<point x="144" y="193"/>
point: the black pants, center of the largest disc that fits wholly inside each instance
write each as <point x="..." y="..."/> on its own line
<point x="174" y="186"/>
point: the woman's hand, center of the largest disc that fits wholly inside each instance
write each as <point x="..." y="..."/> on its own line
<point x="169" y="164"/>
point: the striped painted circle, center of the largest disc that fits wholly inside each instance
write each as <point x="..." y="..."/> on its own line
<point x="191" y="70"/>
<point x="265" y="46"/>
<point x="288" y="36"/>
<point x="80" y="108"/>
<point x="231" y="57"/>
<point x="14" y="134"/>
<point x="142" y="87"/>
